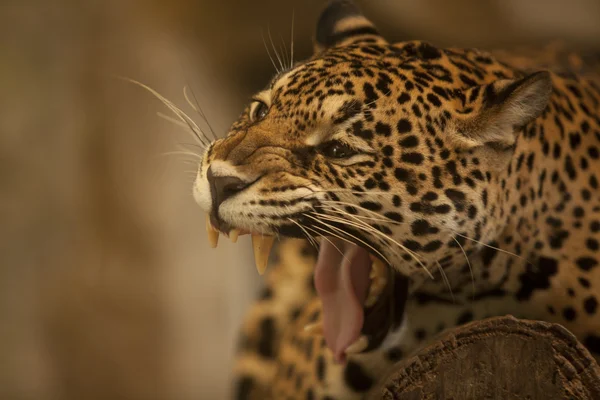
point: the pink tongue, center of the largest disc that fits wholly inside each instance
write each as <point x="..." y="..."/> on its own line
<point x="342" y="282"/>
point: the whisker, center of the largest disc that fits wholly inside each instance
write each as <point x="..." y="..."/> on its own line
<point x="268" y="52"/>
<point x="379" y="98"/>
<point x="310" y="239"/>
<point x="345" y="222"/>
<point x="330" y="242"/>
<point x="469" y="264"/>
<point x="176" y="110"/>
<point x="292" y="42"/>
<point x="391" y="221"/>
<point x="198" y="109"/>
<point x="173" y="120"/>
<point x="446" y="281"/>
<point x="182" y="153"/>
<point x="284" y="51"/>
<point x="383" y="235"/>
<point x="491" y="247"/>
<point x="274" y="48"/>
<point x="350" y="235"/>
<point x="193" y="145"/>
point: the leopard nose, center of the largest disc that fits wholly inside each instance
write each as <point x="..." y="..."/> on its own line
<point x="223" y="187"/>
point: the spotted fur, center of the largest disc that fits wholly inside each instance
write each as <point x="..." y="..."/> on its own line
<point x="482" y="165"/>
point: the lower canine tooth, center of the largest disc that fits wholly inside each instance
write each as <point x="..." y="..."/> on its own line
<point x="213" y="234"/>
<point x="314" y="328"/>
<point x="360" y="345"/>
<point x="262" y="248"/>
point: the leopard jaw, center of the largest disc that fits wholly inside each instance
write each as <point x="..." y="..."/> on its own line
<point x="262" y="246"/>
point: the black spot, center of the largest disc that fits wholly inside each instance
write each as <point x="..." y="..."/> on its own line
<point x="536" y="278"/>
<point x="405" y="175"/>
<point x="321" y="368"/>
<point x="412" y="245"/>
<point x="570" y="168"/>
<point x="370" y="205"/>
<point x="308" y="347"/>
<point x="404" y="126"/>
<point x="429" y="196"/>
<point x="433" y="99"/>
<point x="557" y="238"/>
<point x="489" y="253"/>
<point x="348" y="110"/>
<point x="472" y="212"/>
<point x="592" y="342"/>
<point x="356" y="378"/>
<point x="412" y="158"/>
<point x="403" y="98"/>
<point x="428" y="52"/>
<point x="432" y="246"/>
<point x="590" y="305"/>
<point x="310" y="395"/>
<point x="266" y="293"/>
<point x="244" y="388"/>
<point x="574" y="140"/>
<point x="569" y="313"/>
<point x="394" y="216"/>
<point x="421" y="227"/>
<point x="584" y="282"/>
<point x="586" y="263"/>
<point x="370" y="94"/>
<point x="357" y="129"/>
<point x="592" y="244"/>
<point x="383" y="129"/>
<point x="409" y="141"/>
<point x="457" y="197"/>
<point x="465" y="317"/>
<point x="530" y="160"/>
<point x="295" y="313"/>
<point x="267" y="338"/>
<point x="394" y="354"/>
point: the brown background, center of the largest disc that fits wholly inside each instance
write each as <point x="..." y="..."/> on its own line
<point x="108" y="289"/>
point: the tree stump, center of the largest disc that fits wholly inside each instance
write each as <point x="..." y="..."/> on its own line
<point x="497" y="358"/>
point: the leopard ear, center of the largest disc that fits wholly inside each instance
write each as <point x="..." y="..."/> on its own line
<point x="492" y="114"/>
<point x="342" y="23"/>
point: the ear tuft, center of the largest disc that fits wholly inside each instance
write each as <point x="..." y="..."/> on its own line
<point x="340" y="23"/>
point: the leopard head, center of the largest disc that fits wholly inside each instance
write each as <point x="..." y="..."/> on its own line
<point x="386" y="154"/>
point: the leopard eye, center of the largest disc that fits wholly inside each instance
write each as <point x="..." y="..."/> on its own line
<point x="337" y="149"/>
<point x="258" y="110"/>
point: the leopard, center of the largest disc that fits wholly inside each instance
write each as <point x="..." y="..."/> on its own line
<point x="397" y="190"/>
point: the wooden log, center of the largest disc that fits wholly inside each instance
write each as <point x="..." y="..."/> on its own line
<point x="497" y="358"/>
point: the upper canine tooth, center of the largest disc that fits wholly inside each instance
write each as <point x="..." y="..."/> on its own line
<point x="262" y="248"/>
<point x="358" y="346"/>
<point x="213" y="234"/>
<point x="233" y="235"/>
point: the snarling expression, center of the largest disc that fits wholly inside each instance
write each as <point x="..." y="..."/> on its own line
<point x="380" y="155"/>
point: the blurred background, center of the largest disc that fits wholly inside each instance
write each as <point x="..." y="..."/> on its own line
<point x="108" y="288"/>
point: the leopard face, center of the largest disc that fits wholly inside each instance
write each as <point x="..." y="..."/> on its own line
<point x="388" y="153"/>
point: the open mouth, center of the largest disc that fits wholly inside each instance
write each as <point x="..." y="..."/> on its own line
<point x="362" y="297"/>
